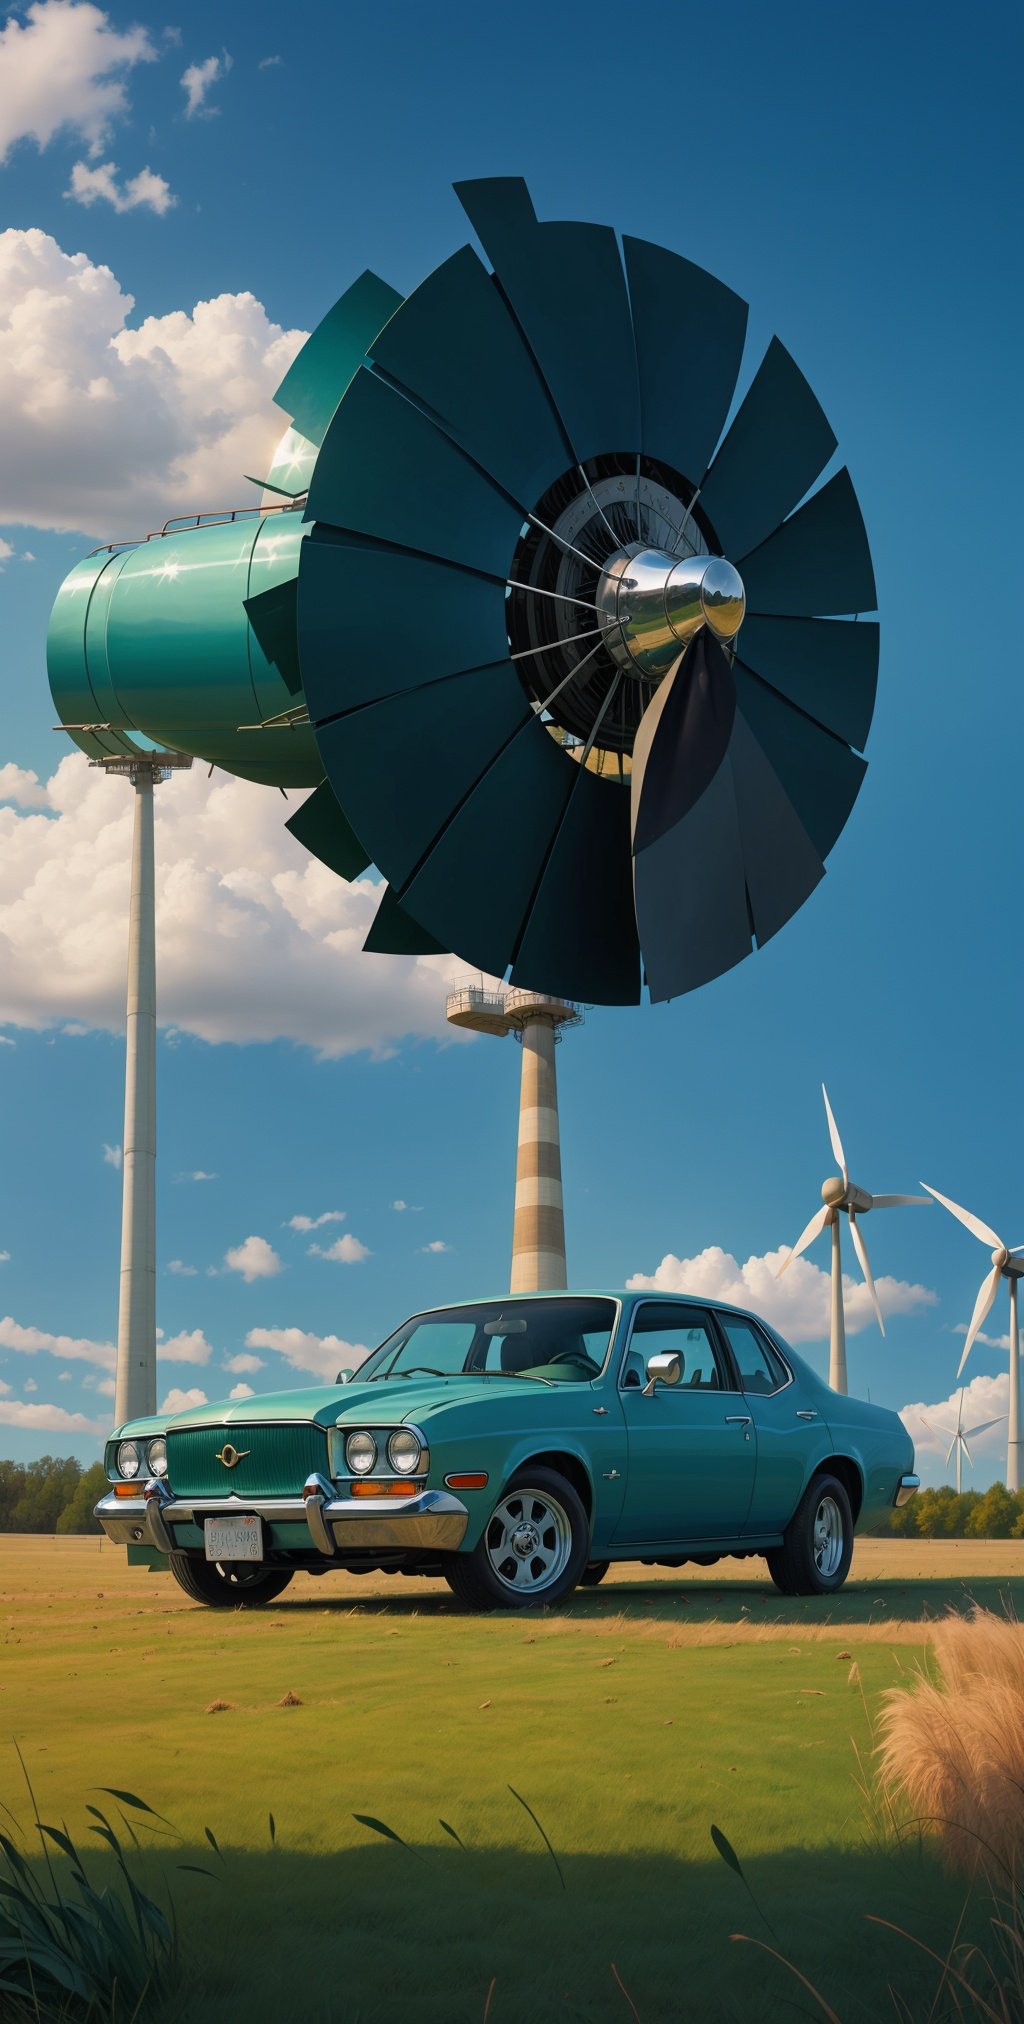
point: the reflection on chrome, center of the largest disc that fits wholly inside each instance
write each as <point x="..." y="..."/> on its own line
<point x="653" y="605"/>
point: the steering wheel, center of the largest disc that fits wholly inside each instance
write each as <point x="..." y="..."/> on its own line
<point x="577" y="1356"/>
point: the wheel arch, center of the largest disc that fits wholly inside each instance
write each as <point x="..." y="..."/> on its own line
<point x="850" y="1475"/>
<point x="566" y="1462"/>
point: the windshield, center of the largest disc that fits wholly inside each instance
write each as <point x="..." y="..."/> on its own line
<point x="561" y="1341"/>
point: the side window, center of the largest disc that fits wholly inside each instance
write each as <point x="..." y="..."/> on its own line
<point x="759" y="1367"/>
<point x="658" y="1330"/>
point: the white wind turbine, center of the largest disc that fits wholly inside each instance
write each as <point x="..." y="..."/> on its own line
<point x="959" y="1436"/>
<point x="1008" y="1264"/>
<point x="842" y="1197"/>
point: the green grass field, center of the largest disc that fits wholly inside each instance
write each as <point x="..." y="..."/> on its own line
<point x="629" y="1721"/>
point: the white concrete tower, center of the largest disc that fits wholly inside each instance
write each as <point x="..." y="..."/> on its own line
<point x="135" y="1394"/>
<point x="538" y="1229"/>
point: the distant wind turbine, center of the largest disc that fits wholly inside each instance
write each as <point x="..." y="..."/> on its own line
<point x="1008" y="1264"/>
<point x="959" y="1436"/>
<point x="842" y="1197"/>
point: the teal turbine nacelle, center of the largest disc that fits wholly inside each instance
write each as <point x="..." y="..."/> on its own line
<point x="560" y="636"/>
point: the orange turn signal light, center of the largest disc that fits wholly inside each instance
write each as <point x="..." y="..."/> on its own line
<point x="475" y="1480"/>
<point x="382" y="1489"/>
<point x="127" y="1489"/>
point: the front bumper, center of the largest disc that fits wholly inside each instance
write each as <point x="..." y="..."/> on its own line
<point x="430" y="1520"/>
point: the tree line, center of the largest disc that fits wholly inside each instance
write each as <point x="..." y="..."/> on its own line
<point x="55" y="1494"/>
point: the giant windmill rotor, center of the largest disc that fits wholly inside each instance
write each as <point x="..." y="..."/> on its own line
<point x="959" y="1436"/>
<point x="1008" y="1264"/>
<point x="842" y="1197"/>
<point x="575" y="673"/>
<point x="575" y="651"/>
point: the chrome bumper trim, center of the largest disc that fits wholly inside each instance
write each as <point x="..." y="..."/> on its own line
<point x="433" y="1519"/>
<point x="905" y="1489"/>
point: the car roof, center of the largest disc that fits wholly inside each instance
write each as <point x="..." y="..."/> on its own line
<point x="623" y="1294"/>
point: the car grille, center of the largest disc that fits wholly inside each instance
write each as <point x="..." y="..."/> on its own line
<point x="276" y="1465"/>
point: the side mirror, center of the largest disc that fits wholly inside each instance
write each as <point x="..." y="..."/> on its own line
<point x="665" y="1369"/>
<point x="343" y="1377"/>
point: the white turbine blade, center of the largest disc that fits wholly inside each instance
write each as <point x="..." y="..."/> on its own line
<point x="950" y="1448"/>
<point x="833" y="1132"/>
<point x="816" y="1224"/>
<point x="936" y="1427"/>
<point x="861" y="1249"/>
<point x="986" y="1295"/>
<point x="897" y="1201"/>
<point x="972" y="1223"/>
<point x="984" y="1427"/>
<point x="967" y="1451"/>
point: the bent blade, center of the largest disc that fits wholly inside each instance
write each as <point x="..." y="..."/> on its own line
<point x="986" y="1295"/>
<point x="332" y="354"/>
<point x="689" y="331"/>
<point x="779" y="443"/>
<point x="817" y="564"/>
<point x="833" y="1132"/>
<point x="973" y="1223"/>
<point x="816" y="1224"/>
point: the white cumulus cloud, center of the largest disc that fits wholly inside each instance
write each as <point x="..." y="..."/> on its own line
<point x="113" y="1156"/>
<point x="190" y="1346"/>
<point x="71" y="1348"/>
<point x="198" y="81"/>
<point x="243" y="1363"/>
<point x="315" y="1222"/>
<point x="438" y="1244"/>
<point x="797" y="1305"/>
<point x="5" y="1257"/>
<point x="65" y="66"/>
<point x="198" y="1175"/>
<point x="322" y="1355"/>
<point x="146" y="191"/>
<point x="181" y="1270"/>
<point x="48" y="1419"/>
<point x="255" y="1259"/>
<point x="345" y="1250"/>
<point x="18" y="784"/>
<point x="228" y="877"/>
<point x="241" y="1391"/>
<point x="178" y="1401"/>
<point x="111" y="429"/>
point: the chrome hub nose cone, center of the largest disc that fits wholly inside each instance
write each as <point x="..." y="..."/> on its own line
<point x="653" y="604"/>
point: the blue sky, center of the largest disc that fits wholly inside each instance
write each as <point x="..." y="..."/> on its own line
<point x="855" y="175"/>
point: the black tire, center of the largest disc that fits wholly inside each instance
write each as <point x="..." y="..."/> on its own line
<point x="233" y="1585"/>
<point x="553" y="1512"/>
<point x="593" y="1573"/>
<point x="815" y="1555"/>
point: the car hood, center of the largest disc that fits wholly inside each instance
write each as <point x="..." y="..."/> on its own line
<point x="355" y="1404"/>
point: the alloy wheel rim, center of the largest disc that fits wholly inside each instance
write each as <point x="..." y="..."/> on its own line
<point x="828" y="1537"/>
<point x="528" y="1542"/>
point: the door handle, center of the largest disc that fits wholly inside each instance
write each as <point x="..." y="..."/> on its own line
<point x="737" y="1419"/>
<point x="806" y="1416"/>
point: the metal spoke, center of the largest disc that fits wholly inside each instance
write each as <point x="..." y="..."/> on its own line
<point x="535" y="590"/>
<point x="553" y="646"/>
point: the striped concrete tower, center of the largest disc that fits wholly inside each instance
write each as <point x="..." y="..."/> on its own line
<point x="538" y="1231"/>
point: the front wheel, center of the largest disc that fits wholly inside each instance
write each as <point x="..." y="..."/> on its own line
<point x="815" y="1556"/>
<point x="228" y="1584"/>
<point x="533" y="1549"/>
<point x="593" y="1573"/>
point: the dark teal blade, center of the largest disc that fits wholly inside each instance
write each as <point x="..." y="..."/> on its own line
<point x="567" y="289"/>
<point x="400" y="768"/>
<point x="473" y="890"/>
<point x="271" y="614"/>
<point x="779" y="443"/>
<point x="580" y="938"/>
<point x="826" y="666"/>
<point x="780" y="862"/>
<point x="692" y="737"/>
<point x="375" y="620"/>
<point x="332" y="354"/>
<point x="395" y="933"/>
<point x="820" y="774"/>
<point x="689" y="332"/>
<point x="456" y="347"/>
<point x="320" y="825"/>
<point x="386" y="470"/>
<point x="819" y="562"/>
<point x="691" y="896"/>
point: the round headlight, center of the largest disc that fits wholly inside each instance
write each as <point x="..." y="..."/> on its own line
<point x="360" y="1453"/>
<point x="128" y="1459"/>
<point x="156" y="1457"/>
<point x="404" y="1452"/>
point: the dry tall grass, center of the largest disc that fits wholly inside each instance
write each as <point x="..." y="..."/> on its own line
<point x="952" y="1748"/>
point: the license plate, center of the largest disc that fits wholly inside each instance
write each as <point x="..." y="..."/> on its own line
<point x="234" y="1538"/>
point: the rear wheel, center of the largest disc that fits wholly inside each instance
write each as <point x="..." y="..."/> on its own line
<point x="228" y="1584"/>
<point x="533" y="1549"/>
<point x="814" y="1558"/>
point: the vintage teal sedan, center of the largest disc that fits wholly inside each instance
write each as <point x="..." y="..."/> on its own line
<point x="517" y="1447"/>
